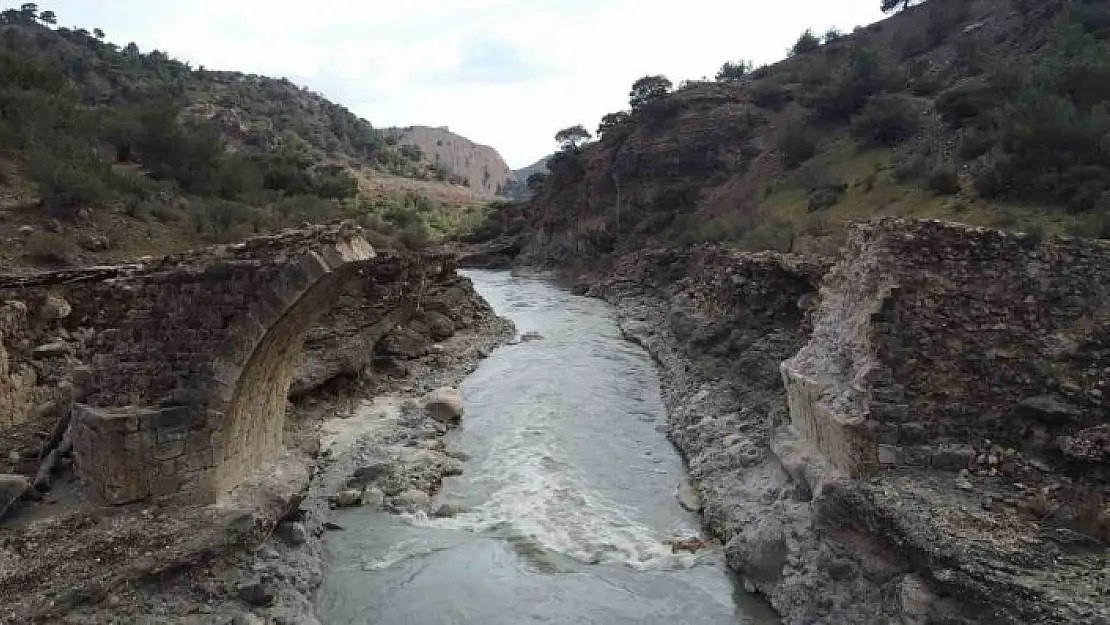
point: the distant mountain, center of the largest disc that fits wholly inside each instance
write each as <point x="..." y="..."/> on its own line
<point x="518" y="189"/>
<point x="539" y="166"/>
<point x="480" y="166"/>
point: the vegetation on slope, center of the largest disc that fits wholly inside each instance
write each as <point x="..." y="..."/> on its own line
<point x="95" y="137"/>
<point x="992" y="112"/>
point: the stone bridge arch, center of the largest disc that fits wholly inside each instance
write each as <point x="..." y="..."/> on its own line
<point x="189" y="358"/>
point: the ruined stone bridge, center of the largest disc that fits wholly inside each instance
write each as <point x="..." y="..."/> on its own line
<point x="180" y="366"/>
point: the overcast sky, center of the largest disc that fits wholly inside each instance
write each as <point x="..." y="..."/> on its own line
<point x="505" y="73"/>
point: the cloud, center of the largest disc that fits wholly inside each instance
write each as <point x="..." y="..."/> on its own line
<point x="489" y="59"/>
<point x="502" y="72"/>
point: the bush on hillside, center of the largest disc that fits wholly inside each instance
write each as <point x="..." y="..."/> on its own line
<point x="975" y="141"/>
<point x="730" y="71"/>
<point x="850" y="84"/>
<point x="886" y="120"/>
<point x="909" y="165"/>
<point x="796" y="144"/>
<point x="825" y="188"/>
<point x="822" y="199"/>
<point x="944" y="16"/>
<point x="76" y="181"/>
<point x="807" y="42"/>
<point x="648" y="89"/>
<point x="769" y="93"/>
<point x="51" y="248"/>
<point x="943" y="180"/>
<point x="1052" y="134"/>
<point x="1092" y="15"/>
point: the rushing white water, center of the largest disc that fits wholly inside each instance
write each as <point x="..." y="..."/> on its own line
<point x="568" y="495"/>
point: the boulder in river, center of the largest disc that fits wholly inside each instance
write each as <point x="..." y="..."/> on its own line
<point x="373" y="497"/>
<point x="348" y="498"/>
<point x="256" y="593"/>
<point x="446" y="511"/>
<point x="292" y="532"/>
<point x="688" y="497"/>
<point x="444" y="405"/>
<point x="412" y="500"/>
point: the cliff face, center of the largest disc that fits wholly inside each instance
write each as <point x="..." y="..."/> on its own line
<point x="480" y="166"/>
<point x="915" y="435"/>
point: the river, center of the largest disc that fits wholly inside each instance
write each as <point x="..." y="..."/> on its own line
<point x="568" y="492"/>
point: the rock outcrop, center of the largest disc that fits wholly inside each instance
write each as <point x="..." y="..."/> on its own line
<point x="917" y="435"/>
<point x="932" y="335"/>
<point x="480" y="166"/>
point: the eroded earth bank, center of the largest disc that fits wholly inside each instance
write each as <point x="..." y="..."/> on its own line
<point x="914" y="432"/>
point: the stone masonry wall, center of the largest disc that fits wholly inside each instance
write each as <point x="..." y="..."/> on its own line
<point x="187" y="359"/>
<point x="932" y="335"/>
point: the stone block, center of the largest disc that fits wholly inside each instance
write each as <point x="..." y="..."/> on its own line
<point x="896" y="413"/>
<point x="917" y="456"/>
<point x="889" y="455"/>
<point x="170" y="450"/>
<point x="952" y="457"/>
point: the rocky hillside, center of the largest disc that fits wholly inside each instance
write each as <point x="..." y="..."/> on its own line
<point x="477" y="166"/>
<point x="989" y="112"/>
<point x="109" y="152"/>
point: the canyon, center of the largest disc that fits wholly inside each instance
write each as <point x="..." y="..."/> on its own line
<point x="914" y="431"/>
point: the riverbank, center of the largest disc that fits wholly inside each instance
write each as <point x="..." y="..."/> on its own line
<point x="380" y="450"/>
<point x="873" y="444"/>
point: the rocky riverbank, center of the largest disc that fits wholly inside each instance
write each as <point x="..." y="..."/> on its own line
<point x="931" y="449"/>
<point x="360" y="416"/>
<point x="381" y="449"/>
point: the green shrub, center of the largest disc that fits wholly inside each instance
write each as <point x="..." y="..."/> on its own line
<point x="943" y="180"/>
<point x="909" y="165"/>
<point x="926" y="84"/>
<point x="886" y="120"/>
<point x="1051" y="135"/>
<point x="223" y="220"/>
<point x="822" y="199"/>
<point x="761" y="72"/>
<point x="825" y="188"/>
<point x="944" y="17"/>
<point x="1092" y="15"/>
<point x="796" y="144"/>
<point x="860" y="76"/>
<point x="414" y="236"/>
<point x="975" y="141"/>
<point x="769" y="93"/>
<point x="807" y="42"/>
<point x="76" y="181"/>
<point x="989" y="179"/>
<point x="967" y="101"/>
<point x="733" y="71"/>
<point x="51" y="248"/>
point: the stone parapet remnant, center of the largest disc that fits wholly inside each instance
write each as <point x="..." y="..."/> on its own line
<point x="932" y="335"/>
